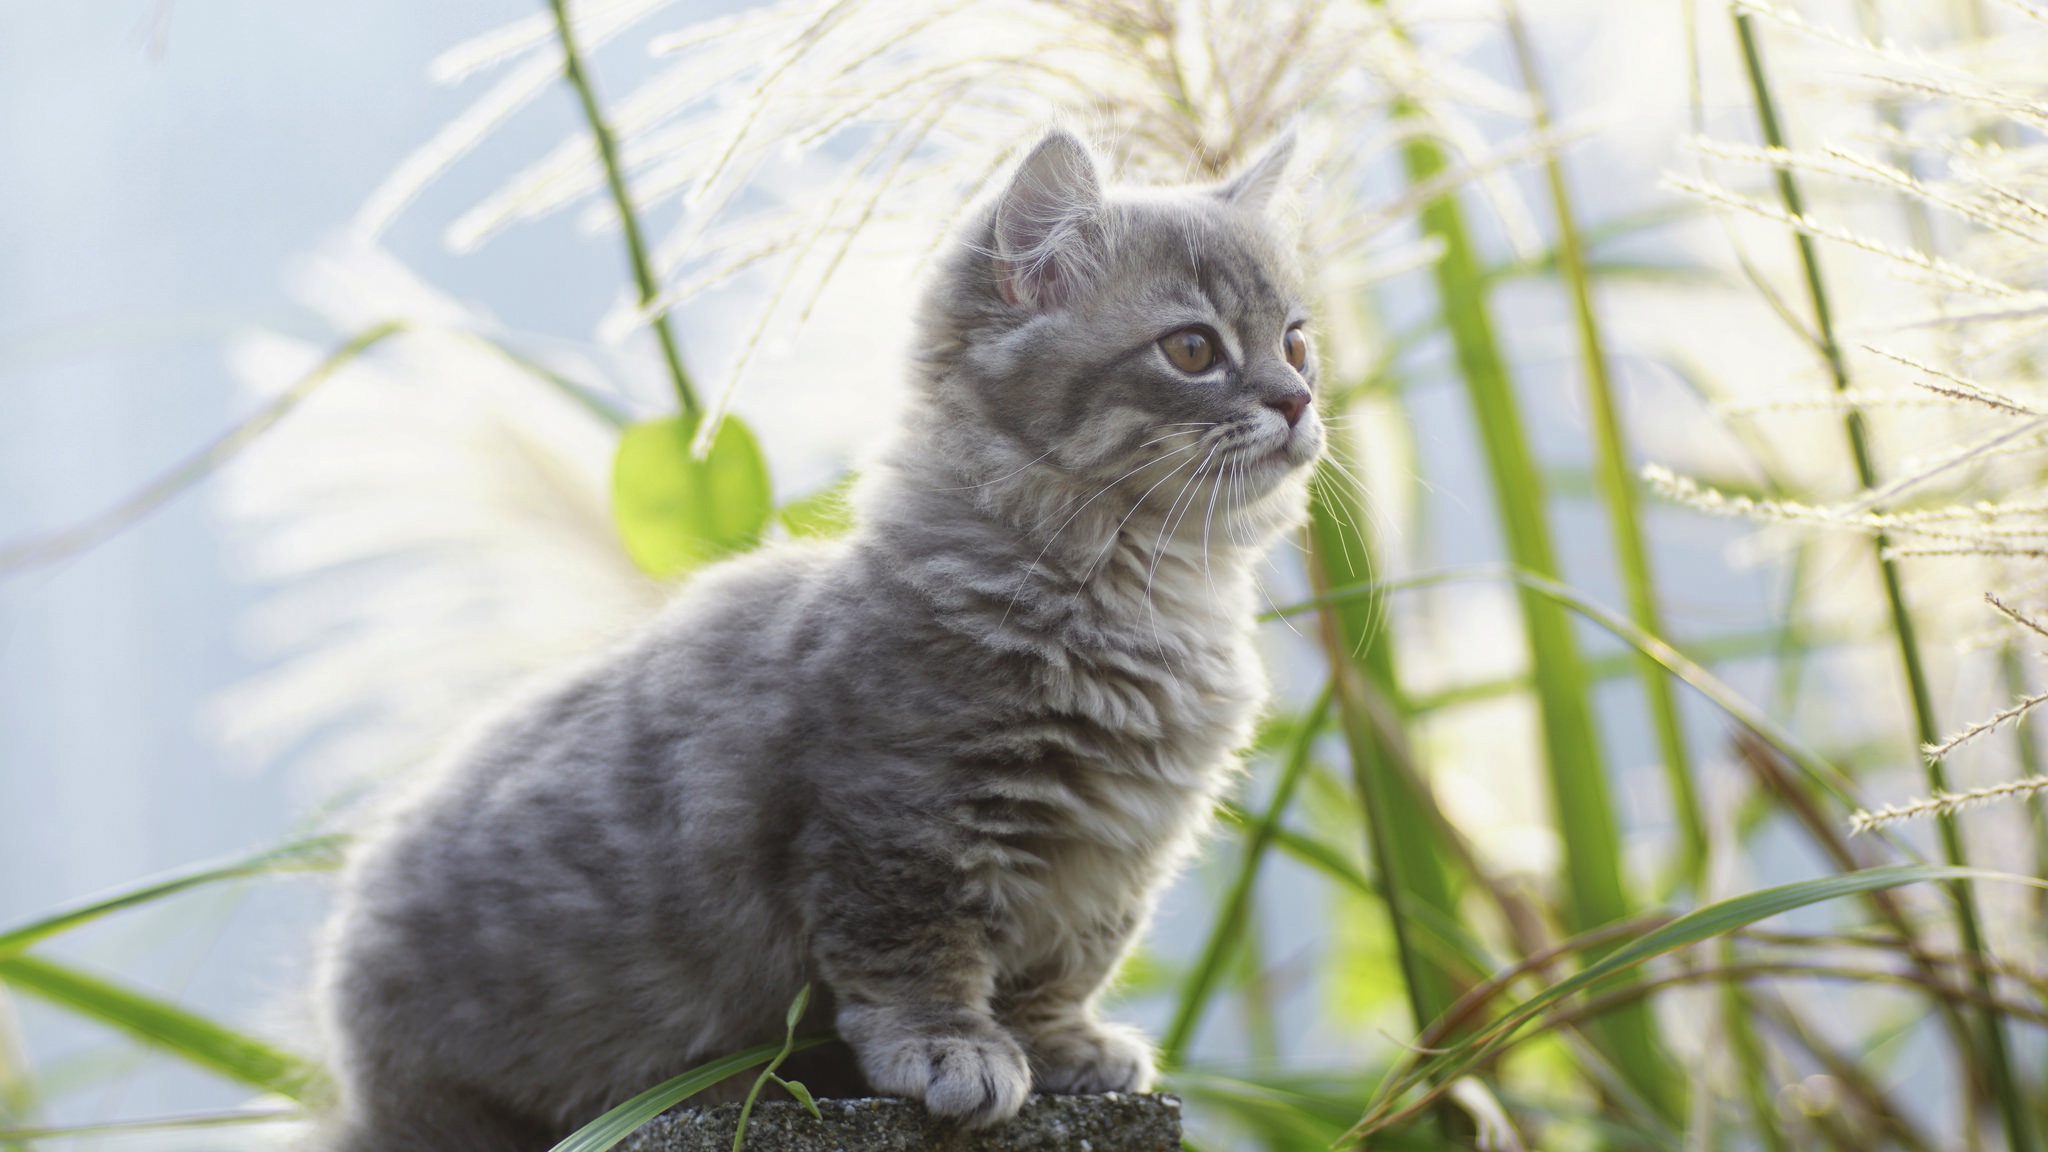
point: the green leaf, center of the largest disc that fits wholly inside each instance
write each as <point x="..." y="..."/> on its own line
<point x="676" y="512"/>
<point x="312" y="854"/>
<point x="166" y="1026"/>
<point x="821" y="515"/>
<point x="796" y="1009"/>
<point x="600" y="1134"/>
<point x="803" y="1096"/>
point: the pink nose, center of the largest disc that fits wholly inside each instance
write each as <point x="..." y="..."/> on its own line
<point x="1291" y="406"/>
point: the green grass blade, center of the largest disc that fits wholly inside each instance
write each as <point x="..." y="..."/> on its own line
<point x="591" y="400"/>
<point x="312" y="854"/>
<point x="1578" y="781"/>
<point x="1996" y="1059"/>
<point x="165" y="1026"/>
<point x="1399" y="833"/>
<point x="600" y="1134"/>
<point x="1574" y="766"/>
<point x="232" y="1119"/>
<point x="1617" y="480"/>
<point x="1230" y="914"/>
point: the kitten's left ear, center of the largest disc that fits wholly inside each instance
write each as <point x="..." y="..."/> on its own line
<point x="1255" y="187"/>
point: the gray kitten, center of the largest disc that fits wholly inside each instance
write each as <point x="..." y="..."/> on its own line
<point x="941" y="768"/>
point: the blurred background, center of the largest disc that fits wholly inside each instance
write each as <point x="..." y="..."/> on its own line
<point x="199" y="204"/>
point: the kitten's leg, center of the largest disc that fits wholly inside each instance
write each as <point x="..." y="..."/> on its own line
<point x="910" y="970"/>
<point x="1072" y="1051"/>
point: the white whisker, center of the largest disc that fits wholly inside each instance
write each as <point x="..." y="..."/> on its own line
<point x="1110" y="544"/>
<point x="1025" y="581"/>
<point x="1005" y="476"/>
<point x="1169" y="524"/>
<point x="1169" y="436"/>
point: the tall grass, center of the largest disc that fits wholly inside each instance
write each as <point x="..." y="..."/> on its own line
<point x="1628" y="989"/>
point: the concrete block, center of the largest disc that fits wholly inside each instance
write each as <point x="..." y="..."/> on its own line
<point x="1114" y="1122"/>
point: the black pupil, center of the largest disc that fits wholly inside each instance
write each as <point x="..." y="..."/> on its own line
<point x="1194" y="349"/>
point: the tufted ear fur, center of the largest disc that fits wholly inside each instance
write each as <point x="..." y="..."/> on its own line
<point x="1048" y="227"/>
<point x="1254" y="187"/>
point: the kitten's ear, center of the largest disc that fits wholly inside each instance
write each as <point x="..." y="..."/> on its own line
<point x="1048" y="236"/>
<point x="1255" y="187"/>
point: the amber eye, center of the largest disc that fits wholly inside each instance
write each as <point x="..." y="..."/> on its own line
<point x="1295" y="346"/>
<point x="1190" y="349"/>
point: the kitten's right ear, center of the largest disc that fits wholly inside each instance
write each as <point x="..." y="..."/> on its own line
<point x="1048" y="231"/>
<point x="1255" y="187"/>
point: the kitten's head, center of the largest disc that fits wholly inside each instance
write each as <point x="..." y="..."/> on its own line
<point x="1152" y="341"/>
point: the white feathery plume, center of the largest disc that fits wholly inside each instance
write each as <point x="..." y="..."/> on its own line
<point x="790" y="141"/>
<point x="434" y="524"/>
<point x="1948" y="803"/>
<point x="1965" y="469"/>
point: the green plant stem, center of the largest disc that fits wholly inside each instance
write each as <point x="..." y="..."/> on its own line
<point x="739" y="1131"/>
<point x="1997" y="1061"/>
<point x="1230" y="915"/>
<point x="1616" y="476"/>
<point x="629" y="219"/>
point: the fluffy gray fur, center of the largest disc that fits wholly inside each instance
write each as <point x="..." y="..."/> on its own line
<point x="941" y="768"/>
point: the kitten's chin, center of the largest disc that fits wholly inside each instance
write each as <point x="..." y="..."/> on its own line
<point x="1272" y="485"/>
<point x="1297" y="452"/>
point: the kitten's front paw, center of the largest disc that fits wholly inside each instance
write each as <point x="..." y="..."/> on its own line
<point x="978" y="1079"/>
<point x="1087" y="1057"/>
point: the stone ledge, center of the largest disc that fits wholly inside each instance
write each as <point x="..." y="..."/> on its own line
<point x="1115" y="1122"/>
